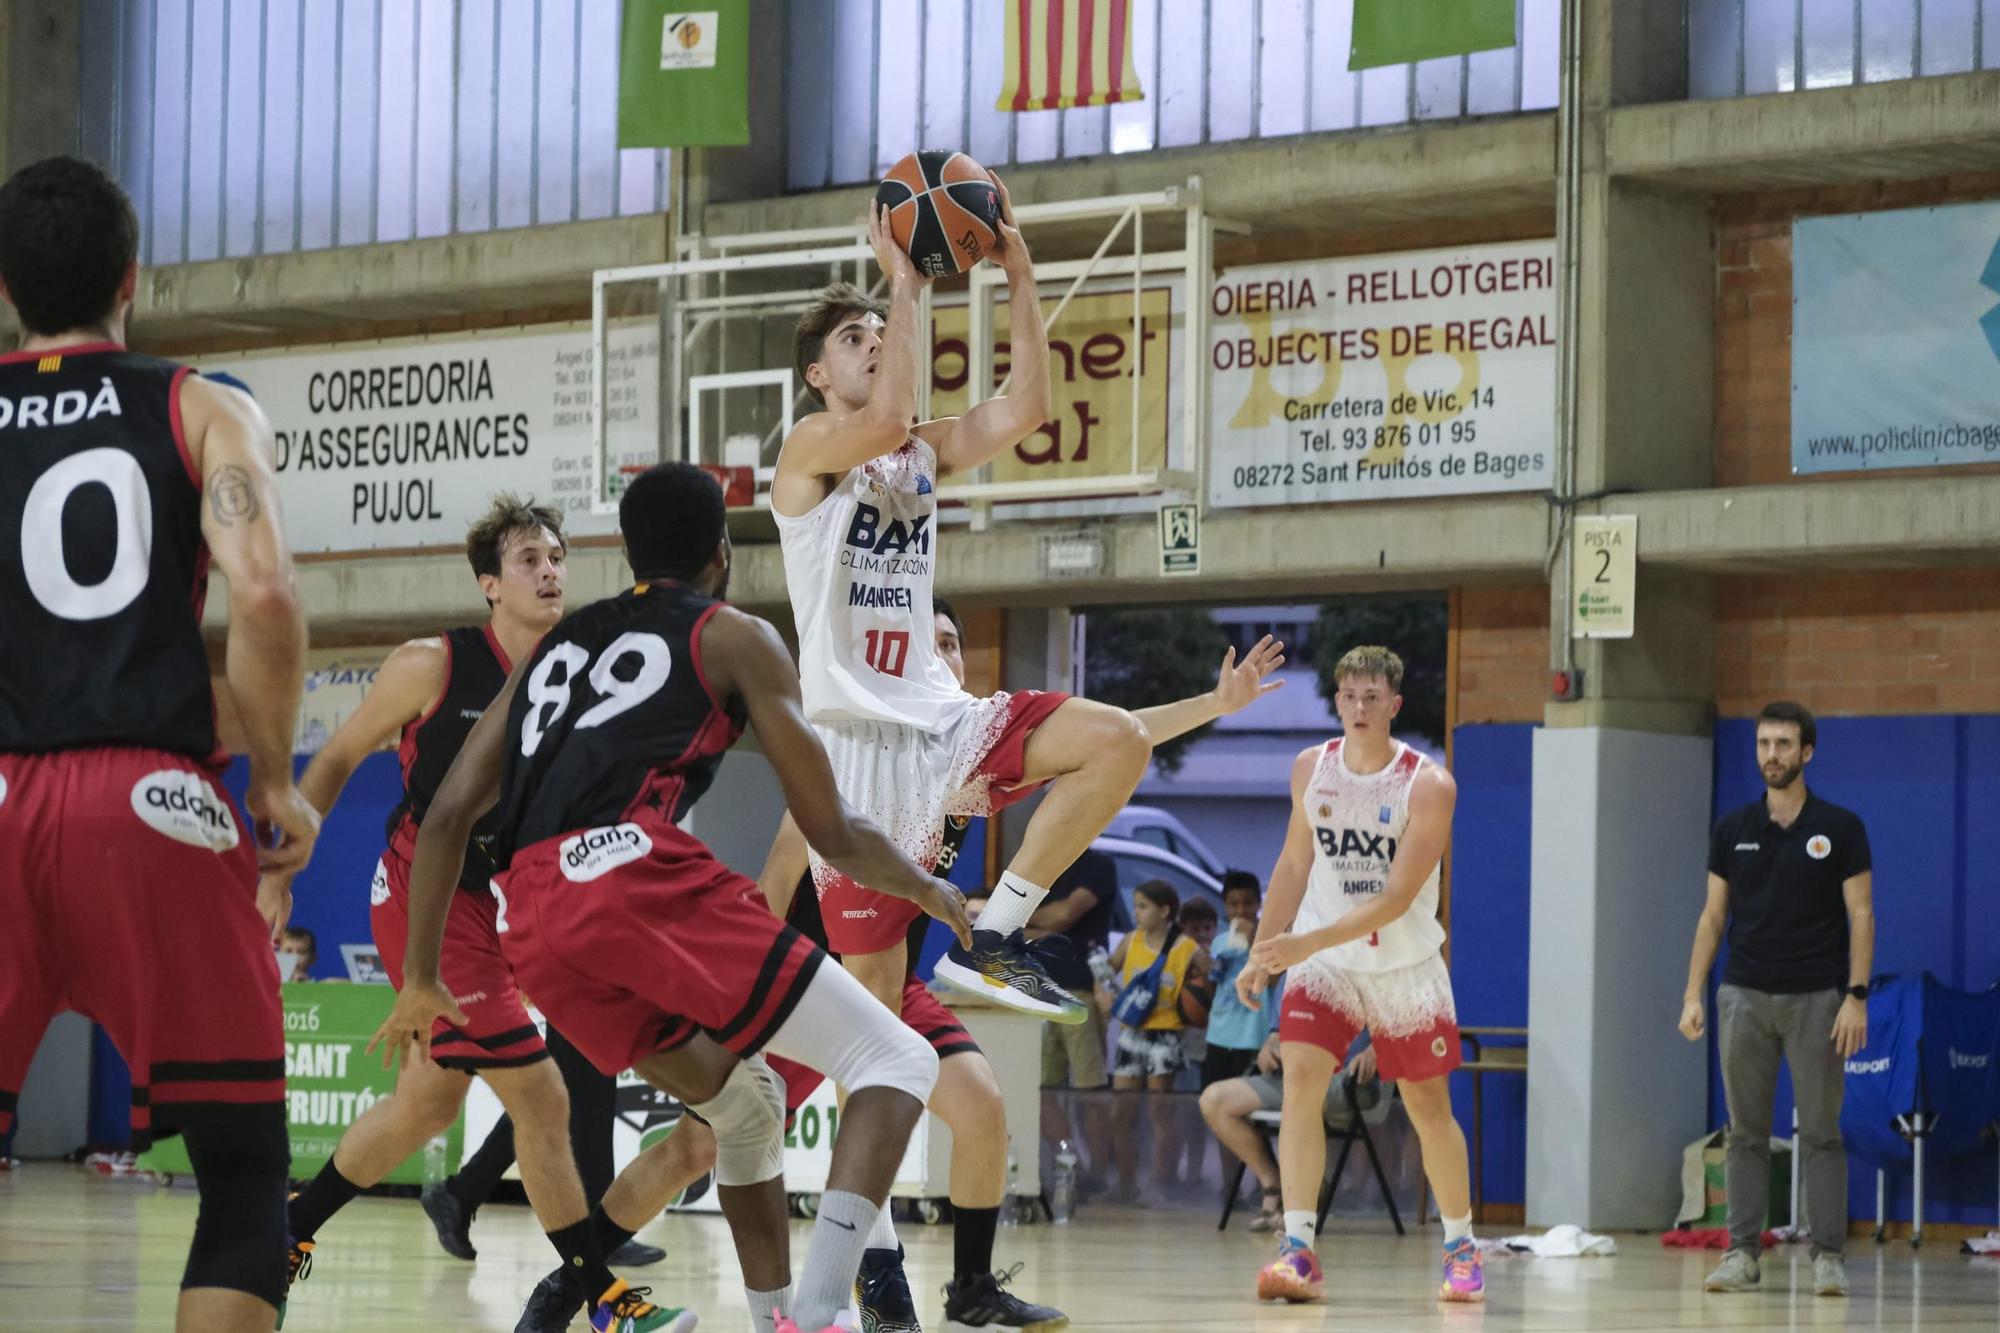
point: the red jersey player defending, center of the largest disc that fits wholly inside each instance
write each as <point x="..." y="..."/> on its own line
<point x="127" y="879"/>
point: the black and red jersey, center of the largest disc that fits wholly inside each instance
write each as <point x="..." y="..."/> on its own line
<point x="476" y="667"/>
<point x="103" y="569"/>
<point x="614" y="720"/>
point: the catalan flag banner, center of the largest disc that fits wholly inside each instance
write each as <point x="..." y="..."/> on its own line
<point x="1066" y="53"/>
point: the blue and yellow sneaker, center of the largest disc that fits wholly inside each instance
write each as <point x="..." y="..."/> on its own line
<point x="1293" y="1276"/>
<point x="1003" y="969"/>
<point x="625" y="1309"/>
<point x="882" y="1294"/>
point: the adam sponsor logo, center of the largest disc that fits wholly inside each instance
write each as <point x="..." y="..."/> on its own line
<point x="594" y="852"/>
<point x="378" y="888"/>
<point x="184" y="807"/>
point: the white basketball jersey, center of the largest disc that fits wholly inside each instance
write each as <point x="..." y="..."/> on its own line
<point x="859" y="568"/>
<point x="1357" y="821"/>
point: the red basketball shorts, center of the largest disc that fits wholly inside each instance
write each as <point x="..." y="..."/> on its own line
<point x="498" y="1034"/>
<point x="632" y="938"/>
<point x="923" y="1012"/>
<point x="1411" y="1018"/>
<point x="128" y="891"/>
<point x="906" y="781"/>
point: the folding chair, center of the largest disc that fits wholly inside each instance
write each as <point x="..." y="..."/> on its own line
<point x="1355" y="1130"/>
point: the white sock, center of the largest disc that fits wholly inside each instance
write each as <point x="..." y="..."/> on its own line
<point x="1300" y="1226"/>
<point x="762" y="1303"/>
<point x="1457" y="1228"/>
<point x="883" y="1237"/>
<point x="833" y="1259"/>
<point x="1011" y="903"/>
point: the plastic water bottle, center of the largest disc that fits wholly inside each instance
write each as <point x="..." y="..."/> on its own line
<point x="434" y="1160"/>
<point x="1062" y="1184"/>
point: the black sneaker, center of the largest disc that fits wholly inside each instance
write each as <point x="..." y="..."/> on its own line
<point x="979" y="1303"/>
<point x="635" y="1254"/>
<point x="882" y="1293"/>
<point x="452" y="1219"/>
<point x="1004" y="970"/>
<point x="552" y="1305"/>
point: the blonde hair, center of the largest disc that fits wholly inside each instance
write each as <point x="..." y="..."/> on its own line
<point x="1370" y="660"/>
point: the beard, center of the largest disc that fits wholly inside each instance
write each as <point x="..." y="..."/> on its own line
<point x="1784" y="776"/>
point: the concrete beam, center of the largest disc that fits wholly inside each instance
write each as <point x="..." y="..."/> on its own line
<point x="1871" y="522"/>
<point x="1907" y="130"/>
<point x="293" y="294"/>
<point x="1356" y="180"/>
<point x="1866" y="523"/>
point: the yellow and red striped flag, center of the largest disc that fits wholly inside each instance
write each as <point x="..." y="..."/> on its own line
<point x="1065" y="53"/>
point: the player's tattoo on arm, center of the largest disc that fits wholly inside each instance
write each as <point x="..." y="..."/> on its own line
<point x="232" y="496"/>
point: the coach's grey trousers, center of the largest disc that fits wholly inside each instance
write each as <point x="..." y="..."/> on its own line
<point x="1756" y="1029"/>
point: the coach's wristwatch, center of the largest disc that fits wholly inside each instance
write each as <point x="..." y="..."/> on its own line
<point x="1858" y="992"/>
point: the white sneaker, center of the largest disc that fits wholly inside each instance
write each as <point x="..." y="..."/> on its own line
<point x="1736" y="1272"/>
<point x="1829" y="1274"/>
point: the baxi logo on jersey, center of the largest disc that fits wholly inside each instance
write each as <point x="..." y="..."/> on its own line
<point x="1353" y="842"/>
<point x="598" y="851"/>
<point x="867" y="533"/>
<point x="184" y="807"/>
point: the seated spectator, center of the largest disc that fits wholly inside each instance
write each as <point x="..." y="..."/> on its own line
<point x="1228" y="1105"/>
<point x="303" y="947"/>
<point x="1235" y="1031"/>
<point x="1149" y="1055"/>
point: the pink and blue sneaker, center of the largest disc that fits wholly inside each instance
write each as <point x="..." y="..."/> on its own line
<point x="1293" y="1276"/>
<point x="1464" y="1274"/>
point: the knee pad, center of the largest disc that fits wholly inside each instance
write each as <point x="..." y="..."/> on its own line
<point x="748" y="1117"/>
<point x="241" y="1156"/>
<point x="888" y="1055"/>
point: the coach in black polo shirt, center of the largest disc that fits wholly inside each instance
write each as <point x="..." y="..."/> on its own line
<point x="1790" y="874"/>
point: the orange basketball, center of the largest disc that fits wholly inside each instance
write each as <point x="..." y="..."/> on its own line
<point x="943" y="211"/>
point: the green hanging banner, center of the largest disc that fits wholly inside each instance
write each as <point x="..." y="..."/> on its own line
<point x="684" y="75"/>
<point x="1396" y="32"/>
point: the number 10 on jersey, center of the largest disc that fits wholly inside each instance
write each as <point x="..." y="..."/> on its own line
<point x="888" y="650"/>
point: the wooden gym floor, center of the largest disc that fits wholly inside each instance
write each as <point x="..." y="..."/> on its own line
<point x="80" y="1251"/>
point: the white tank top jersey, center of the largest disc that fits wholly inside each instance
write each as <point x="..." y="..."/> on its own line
<point x="1357" y="821"/>
<point x="859" y="567"/>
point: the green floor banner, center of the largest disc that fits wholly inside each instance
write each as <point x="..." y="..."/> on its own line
<point x="684" y="75"/>
<point x="1395" y="32"/>
<point x="329" y="1081"/>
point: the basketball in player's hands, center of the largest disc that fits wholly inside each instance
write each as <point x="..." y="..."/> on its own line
<point x="943" y="210"/>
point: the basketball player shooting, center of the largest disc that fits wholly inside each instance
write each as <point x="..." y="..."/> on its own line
<point x="1352" y="917"/>
<point x="636" y="942"/>
<point x="856" y="502"/>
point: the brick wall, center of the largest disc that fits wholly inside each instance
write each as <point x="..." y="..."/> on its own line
<point x="1753" y="334"/>
<point x="1503" y="654"/>
<point x="1917" y="641"/>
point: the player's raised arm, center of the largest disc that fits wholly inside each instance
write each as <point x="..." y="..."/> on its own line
<point x="230" y="443"/>
<point x="864" y="371"/>
<point x="470" y="788"/>
<point x="1237" y="686"/>
<point x="966" y="442"/>
<point x="745" y="657"/>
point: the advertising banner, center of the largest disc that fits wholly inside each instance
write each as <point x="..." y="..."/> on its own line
<point x="1896" y="339"/>
<point x="1392" y="376"/>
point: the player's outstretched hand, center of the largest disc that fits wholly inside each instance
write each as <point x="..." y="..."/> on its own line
<point x="1013" y="247"/>
<point x="1275" y="955"/>
<point x="892" y="258"/>
<point x="274" y="904"/>
<point x="1240" y="684"/>
<point x="418" y="1005"/>
<point x="1251" y="983"/>
<point x="947" y="904"/>
<point x="285" y="825"/>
